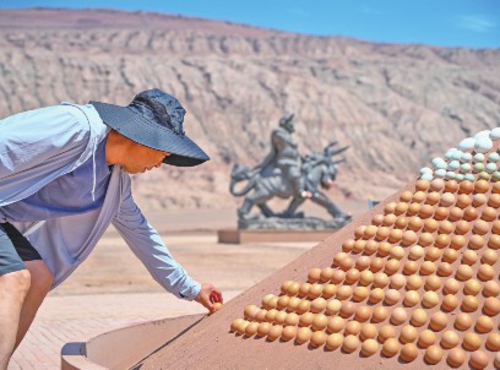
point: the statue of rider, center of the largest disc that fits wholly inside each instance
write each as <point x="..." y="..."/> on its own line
<point x="285" y="156"/>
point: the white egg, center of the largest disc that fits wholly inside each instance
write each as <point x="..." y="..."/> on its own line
<point x="482" y="134"/>
<point x="469" y="177"/>
<point x="466" y="167"/>
<point x="456" y="155"/>
<point x="467" y="143"/>
<point x="479" y="158"/>
<point x="459" y="177"/>
<point x="494" y="157"/>
<point x="450" y="175"/>
<point x="428" y="177"/>
<point x="453" y="165"/>
<point x="491" y="167"/>
<point x="425" y="170"/>
<point x="495" y="133"/>
<point x="483" y="145"/>
<point x="466" y="157"/>
<point x="440" y="172"/>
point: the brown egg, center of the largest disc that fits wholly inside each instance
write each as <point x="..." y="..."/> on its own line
<point x="260" y="316"/>
<point x="413" y="209"/>
<point x="386" y="332"/>
<point x="491" y="306"/>
<point x="442" y="241"/>
<point x="409" y="238"/>
<point x="412" y="298"/>
<point x="378" y="219"/>
<point x="433" y="198"/>
<point x="399" y="316"/>
<point x="359" y="232"/>
<point x="489" y="214"/>
<point x="390" y="207"/>
<point x="347" y="245"/>
<point x="450" y="303"/>
<point x="441" y="213"/>
<point x="306" y="319"/>
<point x="481" y="227"/>
<point x="383" y="250"/>
<point x="455" y="214"/>
<point x="470" y="303"/>
<point x="471" y="214"/>
<point x="433" y="282"/>
<point x="410" y="267"/>
<point x="489" y="257"/>
<point x="304" y="289"/>
<point x="495" y="188"/>
<point x="263" y="329"/>
<point x="363" y="313"/>
<point x="484" y="324"/>
<point x="392" y="297"/>
<point x="293" y="289"/>
<point x="463" y="201"/>
<point x="433" y="254"/>
<point x="326" y="274"/>
<point x="333" y="307"/>
<point x="446" y="227"/>
<point x="352" y="328"/>
<point x="347" y="310"/>
<point x="491" y="289"/>
<point x="450" y="339"/>
<point x="344" y="292"/>
<point x="368" y="331"/>
<point x="288" y="333"/>
<point x="338" y="276"/>
<point x="376" y="295"/>
<point x="456" y="357"/>
<point x="370" y="248"/>
<point x="471" y="342"/>
<point x="370" y="231"/>
<point x="380" y="280"/>
<point x="438" y="321"/>
<point x="494" y="241"/>
<point x="415" y="223"/>
<point x="401" y="208"/>
<point x="318" y="339"/>
<point x="478" y="200"/>
<point x="269" y="299"/>
<point x="391" y="267"/>
<point x="433" y="355"/>
<point x="292" y="319"/>
<point x="419" y="317"/>
<point x="369" y="347"/>
<point x="451" y="286"/>
<point x="469" y="257"/>
<point x="293" y="303"/>
<point x="315" y="290"/>
<point x="318" y="305"/>
<point x="408" y="334"/>
<point x="391" y="347"/>
<point x="463" y="321"/>
<point x="320" y="322"/>
<point x="419" y="197"/>
<point x="458" y="241"/>
<point x="451" y="186"/>
<point x="359" y="246"/>
<point x="444" y="268"/>
<point x="426" y="338"/>
<point x="347" y="264"/>
<point x="283" y="302"/>
<point x="414" y="282"/>
<point x="464" y="272"/>
<point x="437" y="185"/>
<point x="466" y="187"/>
<point x="422" y="185"/>
<point x="380" y="314"/>
<point x="351" y="344"/>
<point x="366" y="277"/>
<point x="479" y="360"/>
<point x="494" y="200"/>
<point x="485" y="272"/>
<point x="481" y="186"/>
<point x="426" y="211"/>
<point x="360" y="293"/>
<point x="395" y="235"/>
<point x="427" y="268"/>
<point x="334" y="341"/>
<point x="335" y="325"/>
<point x="401" y="222"/>
<point x="416" y="252"/>
<point x="425" y="239"/>
<point x="450" y="255"/>
<point x="303" y="335"/>
<point x="303" y="306"/>
<point x="447" y="200"/>
<point x="251" y="310"/>
<point x="476" y="242"/>
<point x="271" y="315"/>
<point x="398" y="281"/>
<point x="493" y="342"/>
<point x="389" y="220"/>
<point x="235" y="324"/>
<point x="409" y="352"/>
<point x="251" y="329"/>
<point x="497" y="358"/>
<point x="329" y="290"/>
<point x="314" y="275"/>
<point x="352" y="276"/>
<point x="339" y="257"/>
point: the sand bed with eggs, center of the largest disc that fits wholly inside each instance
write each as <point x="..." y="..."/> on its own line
<point x="413" y="283"/>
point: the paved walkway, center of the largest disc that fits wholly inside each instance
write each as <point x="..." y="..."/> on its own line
<point x="77" y="318"/>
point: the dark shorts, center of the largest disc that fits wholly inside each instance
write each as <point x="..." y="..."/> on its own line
<point x="14" y="249"/>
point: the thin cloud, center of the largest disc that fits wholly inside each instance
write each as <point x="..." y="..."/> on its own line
<point x="368" y="10"/>
<point x="477" y="23"/>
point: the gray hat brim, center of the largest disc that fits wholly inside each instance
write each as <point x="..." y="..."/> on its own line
<point x="184" y="151"/>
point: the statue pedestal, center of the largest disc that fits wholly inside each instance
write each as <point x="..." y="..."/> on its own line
<point x="233" y="236"/>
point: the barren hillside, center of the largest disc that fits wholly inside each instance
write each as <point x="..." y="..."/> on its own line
<point x="396" y="105"/>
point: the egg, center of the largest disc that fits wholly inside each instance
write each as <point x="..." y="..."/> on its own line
<point x="348" y="245"/>
<point x="378" y="219"/>
<point x="419" y="317"/>
<point x="469" y="257"/>
<point x="293" y="289"/>
<point x="481" y="227"/>
<point x="329" y="290"/>
<point x="283" y="302"/>
<point x="432" y="254"/>
<point x="441" y="213"/>
<point x="280" y="317"/>
<point x="442" y="241"/>
<point x="426" y="338"/>
<point x="489" y="214"/>
<point x="344" y="292"/>
<point x="479" y="360"/>
<point x="304" y="289"/>
<point x="416" y="252"/>
<point x="251" y="329"/>
<point x="292" y="319"/>
<point x="347" y="264"/>
<point x="446" y="227"/>
<point x="458" y="242"/>
<point x="464" y="272"/>
<point x="391" y="267"/>
<point x="466" y="187"/>
<point x="333" y="307"/>
<point x="408" y="334"/>
<point x="347" y="310"/>
<point x="251" y="310"/>
<point x="380" y="280"/>
<point x="463" y="321"/>
<point x="456" y="357"/>
<point x="338" y="276"/>
<point x="484" y="324"/>
<point x="399" y="316"/>
<point x="303" y="306"/>
<point x="493" y="342"/>
<point x="409" y="352"/>
<point x="363" y="313"/>
<point x="410" y="267"/>
<point x="401" y="208"/>
<point x="401" y="223"/>
<point x="491" y="306"/>
<point x="352" y="328"/>
<point x="389" y="220"/>
<point x="433" y="355"/>
<point x="235" y="324"/>
<point x="339" y="257"/>
<point x="427" y="268"/>
<point x="376" y="295"/>
<point x="260" y="316"/>
<point x="391" y="347"/>
<point x="359" y="232"/>
<point x="450" y="303"/>
<point x="471" y="341"/>
<point x="380" y="314"/>
<point x="352" y="276"/>
<point x="318" y="339"/>
<point x="383" y="250"/>
<point x="421" y="185"/>
<point x="263" y="329"/>
<point x="433" y="282"/>
<point x="489" y="257"/>
<point x="303" y="335"/>
<point x="366" y="277"/>
<point x="319" y="322"/>
<point x="395" y="235"/>
<point x="438" y="321"/>
<point x="497" y="360"/>
<point x="306" y="319"/>
<point x="470" y="214"/>
<point x="450" y="339"/>
<point x="315" y="291"/>
<point x="437" y="185"/>
<point x="334" y="341"/>
<point x="386" y="332"/>
<point x="426" y="211"/>
<point x="412" y="298"/>
<point x="419" y="197"/>
<point x="371" y="247"/>
<point x="470" y="303"/>
<point x="463" y="201"/>
<point x="335" y="324"/>
<point x="392" y="297"/>
<point x="293" y="303"/>
<point x="485" y="272"/>
<point x="413" y="209"/>
<point x="450" y="255"/>
<point x="288" y="333"/>
<point x="415" y="223"/>
<point x="479" y="200"/>
<point x="351" y="344"/>
<point x="425" y="239"/>
<point x="414" y="282"/>
<point x="445" y="269"/>
<point x="494" y="241"/>
<point x="314" y="275"/>
<point x="482" y="186"/>
<point x="455" y="214"/>
<point x="398" y="281"/>
<point x="433" y="197"/>
<point x="476" y="242"/>
<point x="491" y="289"/>
<point x="368" y="331"/>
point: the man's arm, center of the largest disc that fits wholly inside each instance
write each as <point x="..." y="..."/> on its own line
<point x="147" y="245"/>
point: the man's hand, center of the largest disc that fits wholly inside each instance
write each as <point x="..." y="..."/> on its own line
<point x="208" y="296"/>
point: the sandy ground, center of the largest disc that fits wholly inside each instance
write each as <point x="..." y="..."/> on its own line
<point x="112" y="288"/>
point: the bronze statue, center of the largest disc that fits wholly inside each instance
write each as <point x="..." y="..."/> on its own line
<point x="285" y="174"/>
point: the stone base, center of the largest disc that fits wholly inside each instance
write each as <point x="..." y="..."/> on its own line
<point x="261" y="236"/>
<point x="291" y="224"/>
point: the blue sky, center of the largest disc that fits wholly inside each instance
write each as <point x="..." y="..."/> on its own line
<point x="469" y="23"/>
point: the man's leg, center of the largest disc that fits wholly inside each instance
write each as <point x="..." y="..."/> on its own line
<point x="14" y="287"/>
<point x="41" y="281"/>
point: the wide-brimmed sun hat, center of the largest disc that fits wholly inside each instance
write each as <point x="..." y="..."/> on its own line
<point x="154" y="119"/>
